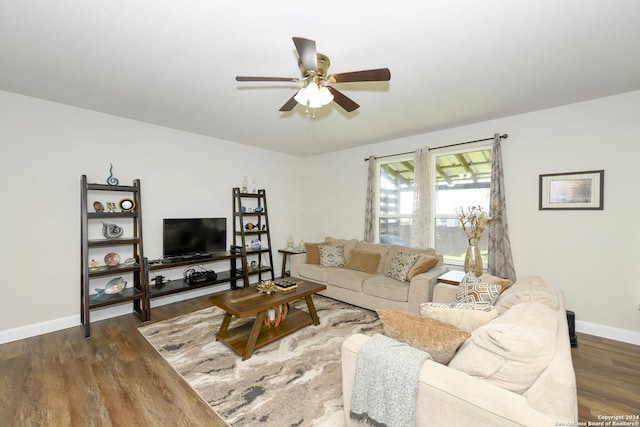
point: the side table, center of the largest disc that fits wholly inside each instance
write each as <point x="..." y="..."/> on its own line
<point x="285" y="253"/>
<point x="451" y="277"/>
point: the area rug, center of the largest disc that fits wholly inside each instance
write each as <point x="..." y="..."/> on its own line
<point x="295" y="381"/>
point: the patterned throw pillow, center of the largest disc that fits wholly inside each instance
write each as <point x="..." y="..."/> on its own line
<point x="473" y="290"/>
<point x="401" y="264"/>
<point x="331" y="256"/>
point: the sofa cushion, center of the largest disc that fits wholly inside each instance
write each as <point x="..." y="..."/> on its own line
<point x="439" y="339"/>
<point x="385" y="287"/>
<point x="314" y="272"/>
<point x="379" y="248"/>
<point x="465" y="316"/>
<point x="349" y="244"/>
<point x="363" y="261"/>
<point x="528" y="289"/>
<point x="512" y="350"/>
<point x="396" y="248"/>
<point x="347" y="279"/>
<point x="332" y="255"/>
<point x="313" y="253"/>
<point x="475" y="291"/>
<point x="400" y="265"/>
<point x="423" y="264"/>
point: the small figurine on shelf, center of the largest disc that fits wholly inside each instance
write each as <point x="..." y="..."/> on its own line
<point x="244" y="188"/>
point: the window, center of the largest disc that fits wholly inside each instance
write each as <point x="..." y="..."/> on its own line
<point x="461" y="178"/>
<point x="395" y="195"/>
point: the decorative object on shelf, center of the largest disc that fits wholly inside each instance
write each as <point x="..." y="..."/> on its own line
<point x="245" y="187"/>
<point x="301" y="246"/>
<point x="243" y="209"/>
<point x="114" y="286"/>
<point x="130" y="261"/>
<point x="254" y="265"/>
<point x="254" y="186"/>
<point x="290" y="243"/>
<point x="249" y="226"/>
<point x="112" y="207"/>
<point x="112" y="259"/>
<point x="98" y="207"/>
<point x="256" y="244"/>
<point x="266" y="287"/>
<point x="474" y="221"/>
<point x="259" y="209"/>
<point x="264" y="227"/>
<point x="93" y="265"/>
<point x="127" y="205"/>
<point x="111" y="231"/>
<point x="112" y="180"/>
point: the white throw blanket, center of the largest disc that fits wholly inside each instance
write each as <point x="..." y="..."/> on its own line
<point x="386" y="382"/>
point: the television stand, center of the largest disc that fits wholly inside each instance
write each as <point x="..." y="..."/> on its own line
<point x="233" y="275"/>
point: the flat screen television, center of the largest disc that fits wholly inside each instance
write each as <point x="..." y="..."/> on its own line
<point x="193" y="236"/>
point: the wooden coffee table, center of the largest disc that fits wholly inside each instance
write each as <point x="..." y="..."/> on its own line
<point x="247" y="302"/>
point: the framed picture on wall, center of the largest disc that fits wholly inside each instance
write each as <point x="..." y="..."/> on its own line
<point x="572" y="191"/>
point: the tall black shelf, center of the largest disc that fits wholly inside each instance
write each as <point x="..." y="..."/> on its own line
<point x="137" y="292"/>
<point x="251" y="208"/>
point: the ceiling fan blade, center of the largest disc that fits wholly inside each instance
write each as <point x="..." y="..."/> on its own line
<point x="342" y="100"/>
<point x="307" y="51"/>
<point x="266" y="79"/>
<point x="376" y="75"/>
<point x="288" y="106"/>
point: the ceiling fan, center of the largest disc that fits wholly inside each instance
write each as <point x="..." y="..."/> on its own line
<point x="316" y="91"/>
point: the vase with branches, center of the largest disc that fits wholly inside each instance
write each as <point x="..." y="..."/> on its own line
<point x="474" y="221"/>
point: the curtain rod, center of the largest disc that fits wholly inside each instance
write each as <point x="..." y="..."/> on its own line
<point x="504" y="136"/>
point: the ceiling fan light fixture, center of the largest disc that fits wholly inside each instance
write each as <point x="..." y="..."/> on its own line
<point x="325" y="95"/>
<point x="302" y="97"/>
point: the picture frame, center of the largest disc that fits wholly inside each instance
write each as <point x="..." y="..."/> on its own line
<point x="572" y="191"/>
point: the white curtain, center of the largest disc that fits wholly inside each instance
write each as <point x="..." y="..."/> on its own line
<point x="370" y="213"/>
<point x="500" y="260"/>
<point x="421" y="225"/>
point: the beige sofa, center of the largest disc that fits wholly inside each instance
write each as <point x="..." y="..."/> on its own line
<point x="372" y="290"/>
<point x="479" y="386"/>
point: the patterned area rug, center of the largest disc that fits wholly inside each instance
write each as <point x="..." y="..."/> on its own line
<point x="295" y="381"/>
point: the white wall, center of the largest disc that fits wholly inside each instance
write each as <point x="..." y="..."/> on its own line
<point x="46" y="147"/>
<point x="590" y="255"/>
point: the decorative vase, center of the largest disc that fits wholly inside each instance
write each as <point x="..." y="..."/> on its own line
<point x="473" y="261"/>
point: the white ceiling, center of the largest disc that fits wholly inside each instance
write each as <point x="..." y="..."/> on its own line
<point x="452" y="62"/>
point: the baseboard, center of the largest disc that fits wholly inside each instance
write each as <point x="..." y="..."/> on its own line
<point x="9" y="335"/>
<point x="602" y="331"/>
<point x="36" y="329"/>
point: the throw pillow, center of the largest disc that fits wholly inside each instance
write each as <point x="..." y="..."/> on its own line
<point x="401" y="264"/>
<point x="313" y="253"/>
<point x="331" y="256"/>
<point x="423" y="264"/>
<point x="439" y="339"/>
<point x="475" y="291"/>
<point x="504" y="283"/>
<point x="363" y="261"/>
<point x="463" y="315"/>
<point x="513" y="350"/>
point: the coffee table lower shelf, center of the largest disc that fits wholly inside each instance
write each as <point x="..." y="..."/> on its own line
<point x="237" y="338"/>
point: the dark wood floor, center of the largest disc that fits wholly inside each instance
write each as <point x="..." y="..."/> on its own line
<point x="116" y="378"/>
